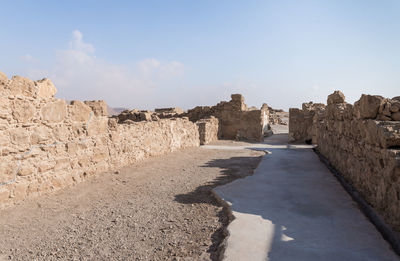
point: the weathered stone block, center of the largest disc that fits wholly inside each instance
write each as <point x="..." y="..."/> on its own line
<point x="8" y="169"/>
<point x="367" y="106"/>
<point x="46" y="88"/>
<point x="40" y="135"/>
<point x="336" y="97"/>
<point x="79" y="111"/>
<point x="3" y="80"/>
<point x="26" y="168"/>
<point x="98" y="107"/>
<point x="208" y="130"/>
<point x="20" y="137"/>
<point x="55" y="111"/>
<point x="396" y="116"/>
<point x="22" y="86"/>
<point x="23" y="110"/>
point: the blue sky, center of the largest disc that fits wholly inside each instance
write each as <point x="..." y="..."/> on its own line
<point x="146" y="54"/>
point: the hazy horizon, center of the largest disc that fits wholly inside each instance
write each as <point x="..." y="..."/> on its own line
<point x="152" y="54"/>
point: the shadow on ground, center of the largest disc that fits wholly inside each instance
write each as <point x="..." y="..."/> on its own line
<point x="231" y="169"/>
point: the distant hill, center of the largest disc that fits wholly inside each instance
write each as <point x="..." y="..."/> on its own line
<point x="115" y="111"/>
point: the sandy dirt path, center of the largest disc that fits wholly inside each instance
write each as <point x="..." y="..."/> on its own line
<point x="157" y="209"/>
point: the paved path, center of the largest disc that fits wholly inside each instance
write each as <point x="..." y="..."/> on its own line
<point x="292" y="208"/>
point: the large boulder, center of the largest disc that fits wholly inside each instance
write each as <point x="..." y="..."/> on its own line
<point x="367" y="107"/>
<point x="46" y="88"/>
<point x="336" y="97"/>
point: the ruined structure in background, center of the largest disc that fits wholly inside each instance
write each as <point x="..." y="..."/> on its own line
<point x="208" y="130"/>
<point x="301" y="122"/>
<point x="236" y="121"/>
<point x="277" y="116"/>
<point x="47" y="144"/>
<point x="362" y="141"/>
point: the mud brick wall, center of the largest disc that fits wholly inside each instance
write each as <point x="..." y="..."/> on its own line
<point x="47" y="144"/>
<point x="236" y="121"/>
<point x="362" y="141"/>
<point x="208" y="130"/>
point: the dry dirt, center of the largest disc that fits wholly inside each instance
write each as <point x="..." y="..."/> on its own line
<point x="158" y="209"/>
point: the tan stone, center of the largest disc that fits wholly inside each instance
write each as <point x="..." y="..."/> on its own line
<point x="19" y="191"/>
<point x="208" y="130"/>
<point x="22" y="86"/>
<point x="55" y="111"/>
<point x="23" y="110"/>
<point x="4" y="139"/>
<point x="79" y="111"/>
<point x="72" y="148"/>
<point x="395" y="107"/>
<point x="4" y="195"/>
<point x="26" y="169"/>
<point x="98" y="107"/>
<point x="8" y="169"/>
<point x="97" y="126"/>
<point x="61" y="132"/>
<point x="3" y="80"/>
<point x="367" y="106"/>
<point x="62" y="163"/>
<point x="20" y="137"/>
<point x="46" y="88"/>
<point x="396" y="116"/>
<point x="336" y="97"/>
<point x="41" y="134"/>
<point x="44" y="166"/>
<point x="237" y="97"/>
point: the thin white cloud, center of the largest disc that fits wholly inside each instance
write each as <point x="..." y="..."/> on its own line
<point x="79" y="74"/>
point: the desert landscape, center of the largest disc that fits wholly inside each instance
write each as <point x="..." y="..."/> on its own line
<point x="200" y="130"/>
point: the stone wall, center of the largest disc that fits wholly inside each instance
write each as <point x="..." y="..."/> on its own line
<point x="47" y="144"/>
<point x="301" y="122"/>
<point x="362" y="141"/>
<point x="236" y="121"/>
<point x="208" y="130"/>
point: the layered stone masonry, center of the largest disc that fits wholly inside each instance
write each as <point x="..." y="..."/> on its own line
<point x="236" y="121"/>
<point x="208" y="130"/>
<point x="47" y="144"/>
<point x="362" y="141"/>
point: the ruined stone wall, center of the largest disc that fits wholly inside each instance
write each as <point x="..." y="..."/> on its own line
<point x="364" y="147"/>
<point x="236" y="121"/>
<point x="46" y="144"/>
<point x="208" y="130"/>
<point x="301" y="122"/>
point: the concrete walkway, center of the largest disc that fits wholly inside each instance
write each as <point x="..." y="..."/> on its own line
<point x="292" y="208"/>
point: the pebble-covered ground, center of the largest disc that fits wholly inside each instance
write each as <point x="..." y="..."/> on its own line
<point x="158" y="209"/>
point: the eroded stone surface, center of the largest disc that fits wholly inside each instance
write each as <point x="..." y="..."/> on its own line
<point x="336" y="97"/>
<point x="46" y="88"/>
<point x="362" y="142"/>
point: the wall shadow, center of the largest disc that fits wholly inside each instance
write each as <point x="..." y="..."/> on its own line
<point x="230" y="169"/>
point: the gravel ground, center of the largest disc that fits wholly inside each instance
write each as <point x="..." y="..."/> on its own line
<point x="158" y="209"/>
